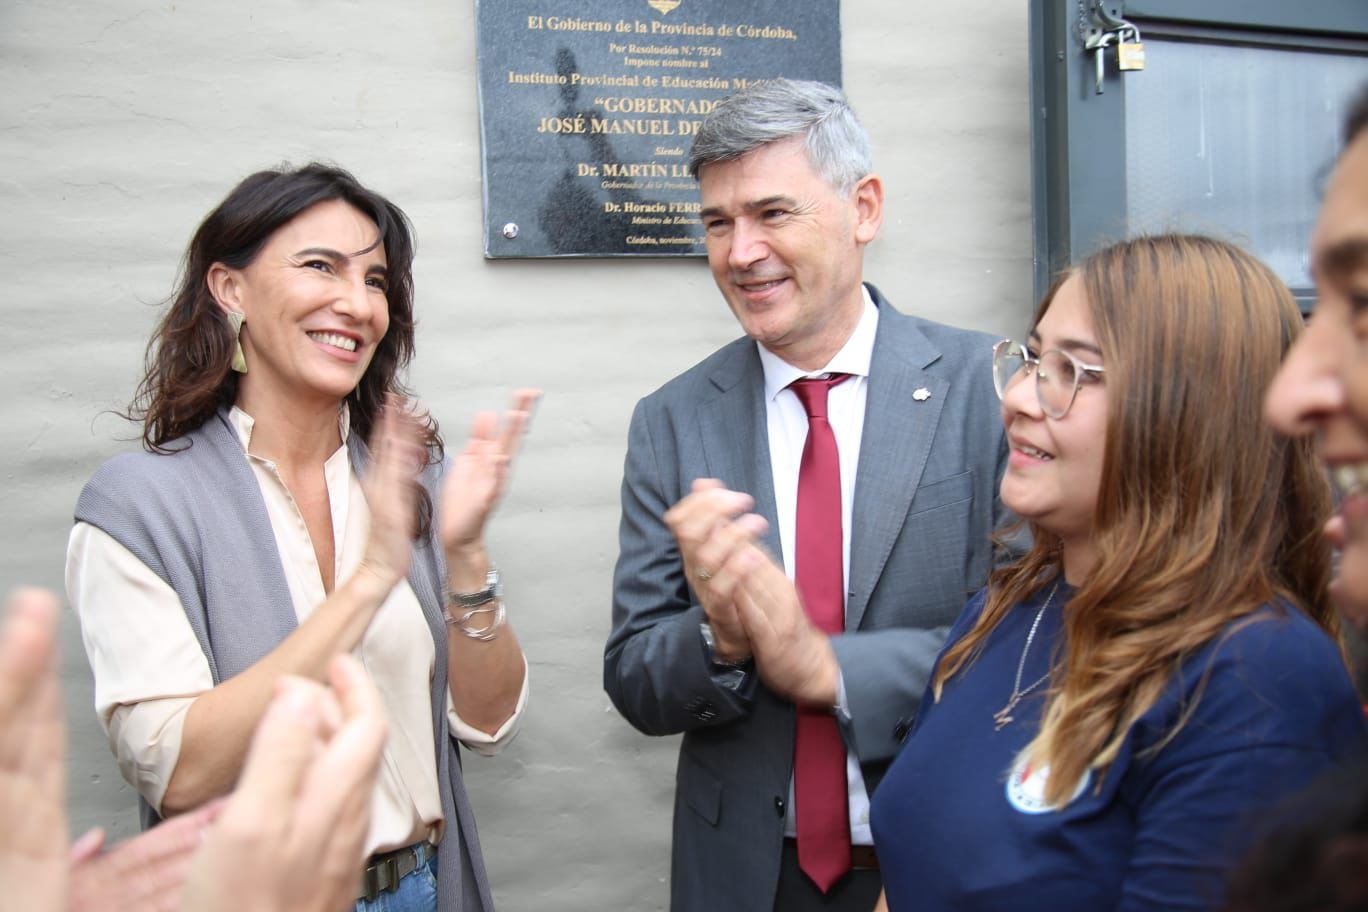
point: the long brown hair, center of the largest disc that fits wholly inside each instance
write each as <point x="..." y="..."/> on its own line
<point x="187" y="376"/>
<point x="1204" y="514"/>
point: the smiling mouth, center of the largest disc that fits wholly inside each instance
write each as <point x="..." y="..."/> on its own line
<point x="1031" y="451"/>
<point x="336" y="340"/>
<point x="757" y="287"/>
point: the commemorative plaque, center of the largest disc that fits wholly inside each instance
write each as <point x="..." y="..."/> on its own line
<point x="588" y="110"/>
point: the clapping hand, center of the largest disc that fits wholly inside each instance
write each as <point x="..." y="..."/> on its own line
<point x="397" y="458"/>
<point x="142" y="874"/>
<point x="748" y="598"/>
<point x="292" y="837"/>
<point x="479" y="473"/>
<point x="710" y="525"/>
<point x="39" y="871"/>
<point x="33" y="838"/>
<point x="793" y="657"/>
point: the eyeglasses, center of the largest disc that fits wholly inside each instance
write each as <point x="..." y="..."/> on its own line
<point x="1057" y="374"/>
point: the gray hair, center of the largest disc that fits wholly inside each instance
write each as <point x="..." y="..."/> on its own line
<point x="777" y="109"/>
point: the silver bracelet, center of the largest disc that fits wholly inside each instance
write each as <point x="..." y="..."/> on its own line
<point x="486" y="633"/>
<point x="471" y="612"/>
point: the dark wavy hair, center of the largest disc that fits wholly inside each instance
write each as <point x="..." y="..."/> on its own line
<point x="188" y="377"/>
<point x="1313" y="855"/>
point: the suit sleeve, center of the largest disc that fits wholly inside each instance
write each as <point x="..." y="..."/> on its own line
<point x="655" y="668"/>
<point x="886" y="671"/>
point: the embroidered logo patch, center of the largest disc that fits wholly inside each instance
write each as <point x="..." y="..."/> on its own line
<point x="1026" y="787"/>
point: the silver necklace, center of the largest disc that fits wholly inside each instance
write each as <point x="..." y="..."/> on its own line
<point x="1003" y="716"/>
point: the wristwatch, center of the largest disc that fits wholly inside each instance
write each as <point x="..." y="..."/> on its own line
<point x="710" y="647"/>
<point x="464" y="601"/>
<point x="729" y="673"/>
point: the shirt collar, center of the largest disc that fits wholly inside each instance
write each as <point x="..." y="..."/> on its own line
<point x="242" y="424"/>
<point x="853" y="358"/>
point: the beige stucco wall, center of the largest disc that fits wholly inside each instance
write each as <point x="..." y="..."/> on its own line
<point x="122" y="123"/>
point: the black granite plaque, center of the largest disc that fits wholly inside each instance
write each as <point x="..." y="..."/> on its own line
<point x="587" y="112"/>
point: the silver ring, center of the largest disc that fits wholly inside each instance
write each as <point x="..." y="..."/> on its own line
<point x="703" y="575"/>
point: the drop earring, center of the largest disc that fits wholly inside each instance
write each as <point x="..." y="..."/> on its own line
<point x="239" y="362"/>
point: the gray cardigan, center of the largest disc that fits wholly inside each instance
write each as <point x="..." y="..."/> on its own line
<point x="196" y="518"/>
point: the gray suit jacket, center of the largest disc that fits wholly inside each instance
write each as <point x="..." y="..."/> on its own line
<point x="925" y="505"/>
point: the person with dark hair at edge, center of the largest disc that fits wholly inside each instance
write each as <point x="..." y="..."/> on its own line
<point x="1314" y="857"/>
<point x="1322" y="388"/>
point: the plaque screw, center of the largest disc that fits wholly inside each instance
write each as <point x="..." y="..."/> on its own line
<point x="510" y="230"/>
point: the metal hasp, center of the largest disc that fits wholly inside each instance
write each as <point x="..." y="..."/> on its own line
<point x="1103" y="26"/>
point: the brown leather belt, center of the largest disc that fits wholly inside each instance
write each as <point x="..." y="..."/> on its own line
<point x="383" y="872"/>
<point x="862" y="857"/>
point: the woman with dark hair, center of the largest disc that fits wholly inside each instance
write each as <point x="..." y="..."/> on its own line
<point x="1162" y="665"/>
<point x="258" y="535"/>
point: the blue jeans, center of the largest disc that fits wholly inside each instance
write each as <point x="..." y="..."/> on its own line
<point x="417" y="893"/>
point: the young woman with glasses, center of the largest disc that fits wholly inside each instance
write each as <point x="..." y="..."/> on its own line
<point x="1119" y="703"/>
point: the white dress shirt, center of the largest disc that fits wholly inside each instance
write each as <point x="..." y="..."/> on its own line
<point x="149" y="667"/>
<point x="787" y="425"/>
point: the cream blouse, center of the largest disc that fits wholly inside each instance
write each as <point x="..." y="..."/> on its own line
<point x="149" y="667"/>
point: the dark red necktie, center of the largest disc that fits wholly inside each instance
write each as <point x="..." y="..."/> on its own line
<point x="822" y="809"/>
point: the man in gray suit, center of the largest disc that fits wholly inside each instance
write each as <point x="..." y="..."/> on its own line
<point x="789" y="203"/>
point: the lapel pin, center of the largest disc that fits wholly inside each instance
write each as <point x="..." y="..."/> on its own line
<point x="921" y="394"/>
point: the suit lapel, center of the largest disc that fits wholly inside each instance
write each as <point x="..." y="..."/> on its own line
<point x="899" y="425"/>
<point x="734" y="433"/>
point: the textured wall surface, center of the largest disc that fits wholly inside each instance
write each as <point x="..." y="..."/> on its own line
<point x="122" y="123"/>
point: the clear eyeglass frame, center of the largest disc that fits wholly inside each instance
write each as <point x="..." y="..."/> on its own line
<point x="1057" y="374"/>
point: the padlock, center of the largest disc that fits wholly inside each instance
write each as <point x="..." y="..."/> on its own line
<point x="1130" y="55"/>
<point x="1130" y="51"/>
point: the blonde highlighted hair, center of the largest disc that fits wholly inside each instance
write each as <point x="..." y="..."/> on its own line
<point x="1204" y="514"/>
